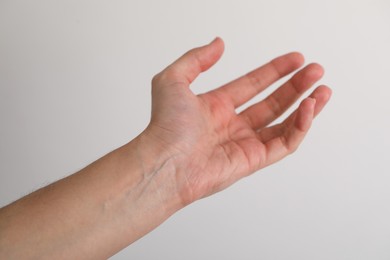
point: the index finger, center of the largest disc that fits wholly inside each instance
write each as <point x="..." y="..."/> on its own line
<point x="246" y="87"/>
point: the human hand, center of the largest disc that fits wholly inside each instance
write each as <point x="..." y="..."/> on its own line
<point x="194" y="146"/>
<point x="210" y="145"/>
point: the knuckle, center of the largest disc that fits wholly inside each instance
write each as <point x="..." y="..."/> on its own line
<point x="293" y="149"/>
<point x="156" y="79"/>
<point x="166" y="76"/>
<point x="289" y="147"/>
<point x="274" y="105"/>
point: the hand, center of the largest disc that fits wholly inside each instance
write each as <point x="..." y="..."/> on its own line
<point x="194" y="146"/>
<point x="213" y="146"/>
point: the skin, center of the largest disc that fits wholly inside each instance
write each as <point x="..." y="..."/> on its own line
<point x="194" y="146"/>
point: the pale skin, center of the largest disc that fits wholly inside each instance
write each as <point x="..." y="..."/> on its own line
<point x="194" y="146"/>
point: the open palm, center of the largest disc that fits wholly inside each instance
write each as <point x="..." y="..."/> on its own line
<point x="212" y="145"/>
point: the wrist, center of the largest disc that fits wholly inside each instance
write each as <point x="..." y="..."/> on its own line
<point x="157" y="186"/>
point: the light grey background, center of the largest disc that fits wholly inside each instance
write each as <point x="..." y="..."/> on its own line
<point x="75" y="84"/>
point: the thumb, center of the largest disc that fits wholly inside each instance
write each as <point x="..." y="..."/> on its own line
<point x="185" y="69"/>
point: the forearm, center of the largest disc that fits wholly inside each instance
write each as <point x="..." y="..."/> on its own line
<point x="94" y="213"/>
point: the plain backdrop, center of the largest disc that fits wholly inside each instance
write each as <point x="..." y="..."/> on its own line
<point x="75" y="84"/>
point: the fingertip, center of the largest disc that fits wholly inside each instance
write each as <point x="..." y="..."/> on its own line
<point x="287" y="63"/>
<point x="298" y="57"/>
<point x="295" y="59"/>
<point x="210" y="53"/>
<point x="307" y="77"/>
<point x="315" y="70"/>
<point x="218" y="40"/>
<point x="220" y="45"/>
<point x="326" y="92"/>
<point x="195" y="61"/>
